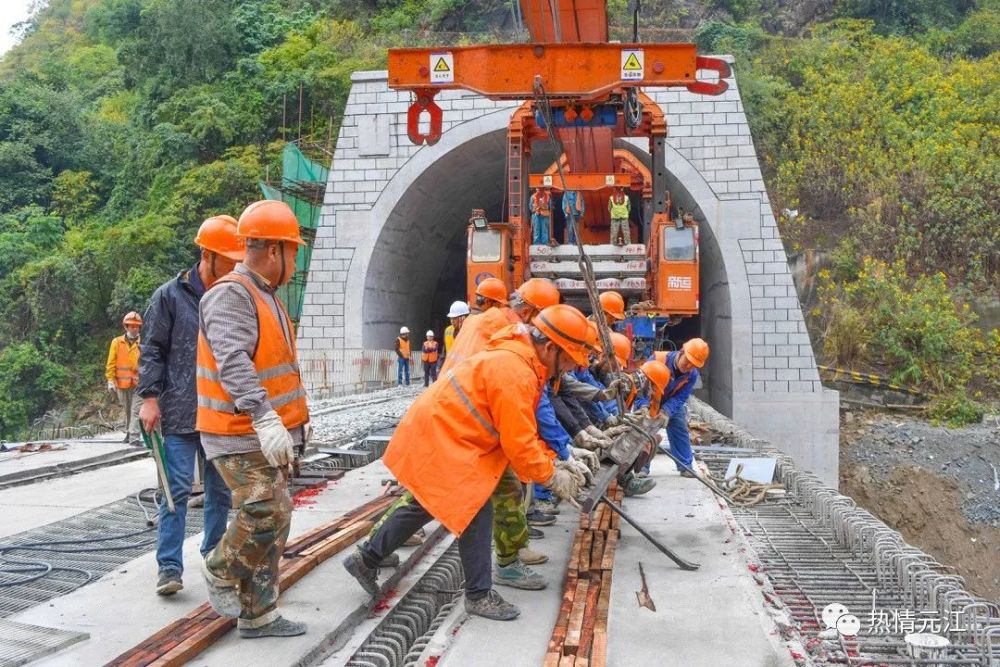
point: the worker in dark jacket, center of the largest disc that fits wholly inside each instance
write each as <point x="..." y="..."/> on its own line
<point x="169" y="397"/>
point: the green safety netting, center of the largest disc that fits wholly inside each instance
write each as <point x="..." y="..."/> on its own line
<point x="303" y="183"/>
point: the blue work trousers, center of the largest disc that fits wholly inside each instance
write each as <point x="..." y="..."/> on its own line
<point x="180" y="454"/>
<point x="679" y="437"/>
<point x="402" y="370"/>
<point x="539" y="229"/>
<point x="541" y="493"/>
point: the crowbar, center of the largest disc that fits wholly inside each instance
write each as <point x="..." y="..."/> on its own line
<point x="681" y="563"/>
<point x="155" y="445"/>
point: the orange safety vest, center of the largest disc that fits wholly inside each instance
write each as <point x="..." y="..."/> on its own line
<point x="541" y="203"/>
<point x="404" y="347"/>
<point x="430" y="351"/>
<point x="277" y="367"/>
<point x="126" y="372"/>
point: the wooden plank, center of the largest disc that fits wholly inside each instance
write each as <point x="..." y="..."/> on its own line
<point x="606" y="518"/>
<point x="559" y="630"/>
<point x="350" y="532"/>
<point x="581" y="662"/>
<point x="567" y="661"/>
<point x="603" y="602"/>
<point x="597" y="551"/>
<point x="589" y="618"/>
<point x="292" y="570"/>
<point x="574" y="627"/>
<point x="583" y="562"/>
<point x="608" y="560"/>
<point x="574" y="556"/>
<point x="552" y="659"/>
<point x="599" y="648"/>
<point x="192" y="646"/>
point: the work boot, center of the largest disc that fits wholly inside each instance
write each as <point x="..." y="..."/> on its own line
<point x="535" y="533"/>
<point x="518" y="575"/>
<point x="493" y="607"/>
<point x="547" y="507"/>
<point x="169" y="583"/>
<point x="279" y="627"/>
<point x="531" y="557"/>
<point x="416" y="539"/>
<point x="224" y="598"/>
<point x="636" y="486"/>
<point x="688" y="474"/>
<point x="536" y="518"/>
<point x="392" y="560"/>
<point x="366" y="576"/>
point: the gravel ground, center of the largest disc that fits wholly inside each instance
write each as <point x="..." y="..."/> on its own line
<point x="347" y="423"/>
<point x="970" y="455"/>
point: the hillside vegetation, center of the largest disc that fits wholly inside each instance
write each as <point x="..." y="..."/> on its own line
<point x="124" y="123"/>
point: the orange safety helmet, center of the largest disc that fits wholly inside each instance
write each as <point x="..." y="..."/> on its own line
<point x="218" y="234"/>
<point x="132" y="318"/>
<point x="696" y="350"/>
<point x="623" y="348"/>
<point x="659" y="375"/>
<point x="270" y="220"/>
<point x="661" y="356"/>
<point x="492" y="289"/>
<point x="567" y="327"/>
<point x="594" y="337"/>
<point x="538" y="293"/>
<point x="613" y="304"/>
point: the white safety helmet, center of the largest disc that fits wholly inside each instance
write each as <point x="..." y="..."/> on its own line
<point x="403" y="330"/>
<point x="458" y="309"/>
<point x="430" y="334"/>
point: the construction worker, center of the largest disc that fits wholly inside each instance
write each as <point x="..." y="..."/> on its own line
<point x="490" y="293"/>
<point x="573" y="208"/>
<point x="170" y="398"/>
<point x="252" y="414"/>
<point x="456" y="315"/>
<point x="459" y="436"/>
<point x="540" y="205"/>
<point x="619" y="206"/>
<point x="684" y="365"/>
<point x="430" y="358"/>
<point x="613" y="306"/>
<point x="403" y="357"/>
<point x="122" y="374"/>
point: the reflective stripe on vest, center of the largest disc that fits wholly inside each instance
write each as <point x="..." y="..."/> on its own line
<point x="404" y="347"/>
<point x="470" y="407"/>
<point x="277" y="370"/>
<point x="126" y="375"/>
<point x="430" y="352"/>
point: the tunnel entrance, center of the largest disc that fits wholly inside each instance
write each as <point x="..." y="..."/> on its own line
<point x="417" y="267"/>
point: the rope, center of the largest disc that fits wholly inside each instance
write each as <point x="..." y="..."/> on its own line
<point x="743" y="492"/>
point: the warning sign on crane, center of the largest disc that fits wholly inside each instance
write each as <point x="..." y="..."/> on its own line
<point x="442" y="67"/>
<point x="633" y="64"/>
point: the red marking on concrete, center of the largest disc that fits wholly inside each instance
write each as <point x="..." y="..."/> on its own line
<point x="432" y="661"/>
<point x="753" y="567"/>
<point x="302" y="498"/>
<point x="383" y="604"/>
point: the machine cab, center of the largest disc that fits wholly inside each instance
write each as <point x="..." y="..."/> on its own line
<point x="674" y="254"/>
<point x="490" y="254"/>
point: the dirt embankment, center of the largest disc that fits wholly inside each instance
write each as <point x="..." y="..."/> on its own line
<point x="927" y="483"/>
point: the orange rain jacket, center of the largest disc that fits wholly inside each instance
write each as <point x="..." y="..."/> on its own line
<point x="455" y="441"/>
<point x="476" y="332"/>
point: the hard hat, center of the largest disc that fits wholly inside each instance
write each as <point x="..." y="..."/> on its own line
<point x="132" y="318"/>
<point x="218" y="234"/>
<point x="696" y="350"/>
<point x="594" y="336"/>
<point x="613" y="304"/>
<point x="493" y="289"/>
<point x="458" y="309"/>
<point x="661" y="356"/>
<point x="404" y="330"/>
<point x="567" y="327"/>
<point x="538" y="293"/>
<point x="430" y="334"/>
<point x="623" y="348"/>
<point x="271" y="220"/>
<point x="659" y="376"/>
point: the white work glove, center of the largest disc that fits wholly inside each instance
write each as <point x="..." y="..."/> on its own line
<point x="638" y="417"/>
<point x="598" y="435"/>
<point x="611" y="391"/>
<point x="615" y="432"/>
<point x="581" y="467"/>
<point x="565" y="482"/>
<point x="111" y="386"/>
<point x="613" y="420"/>
<point x="275" y="441"/>
<point x="584" y="440"/>
<point x="588" y="458"/>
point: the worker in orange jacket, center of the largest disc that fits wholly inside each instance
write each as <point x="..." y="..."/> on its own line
<point x="457" y="438"/>
<point x="490" y="293"/>
<point x="122" y="373"/>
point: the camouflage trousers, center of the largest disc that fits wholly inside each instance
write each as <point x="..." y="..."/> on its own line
<point x="510" y="525"/>
<point x="248" y="553"/>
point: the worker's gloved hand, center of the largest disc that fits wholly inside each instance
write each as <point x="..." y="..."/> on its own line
<point x="111" y="386"/>
<point x="564" y="482"/>
<point x="575" y="468"/>
<point x="591" y="459"/>
<point x="598" y="435"/>
<point x="612" y="420"/>
<point x="638" y="417"/>
<point x="583" y="469"/>
<point x="616" y="432"/>
<point x="611" y="391"/>
<point x="275" y="441"/>
<point x="584" y="440"/>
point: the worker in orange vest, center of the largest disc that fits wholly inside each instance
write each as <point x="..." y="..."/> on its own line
<point x="459" y="436"/>
<point x="541" y="216"/>
<point x="122" y="373"/>
<point x="252" y="413"/>
<point x="404" y="357"/>
<point x="619" y="206"/>
<point x="430" y="358"/>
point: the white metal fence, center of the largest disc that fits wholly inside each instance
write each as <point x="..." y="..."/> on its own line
<point x="336" y="372"/>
